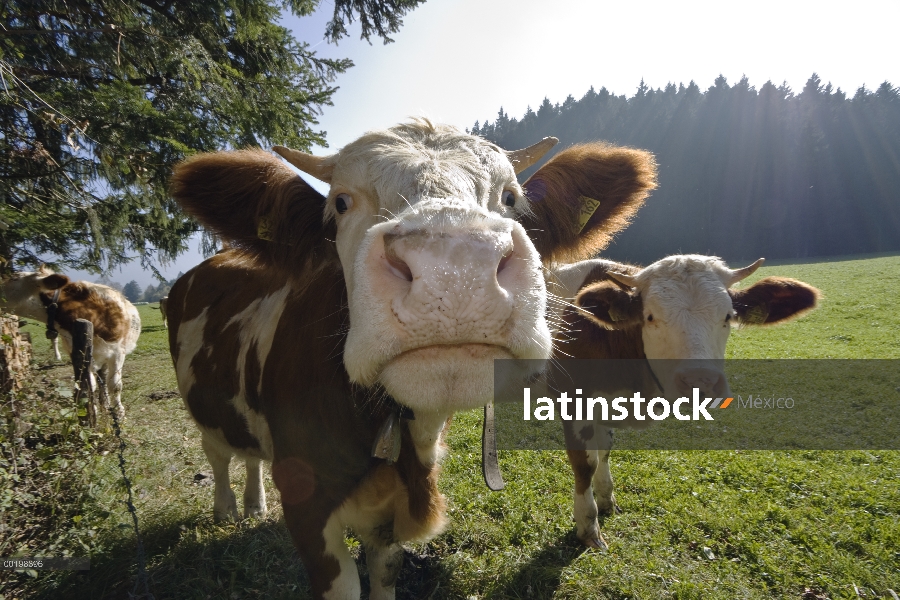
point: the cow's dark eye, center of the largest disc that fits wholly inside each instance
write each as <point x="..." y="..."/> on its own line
<point x="342" y="203"/>
<point x="508" y="197"/>
<point x="649" y="317"/>
<point x="727" y="319"/>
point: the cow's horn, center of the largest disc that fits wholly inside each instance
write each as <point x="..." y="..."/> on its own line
<point x="522" y="159"/>
<point x="622" y="278"/>
<point x="739" y="274"/>
<point x="317" y="166"/>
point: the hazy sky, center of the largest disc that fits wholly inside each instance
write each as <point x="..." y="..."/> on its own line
<point x="458" y="61"/>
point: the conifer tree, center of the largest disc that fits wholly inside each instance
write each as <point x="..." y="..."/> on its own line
<point x="744" y="173"/>
<point x="99" y="99"/>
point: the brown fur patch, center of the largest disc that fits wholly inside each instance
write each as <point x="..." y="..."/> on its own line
<point x="620" y="178"/>
<point x="306" y="521"/>
<point x="426" y="504"/>
<point x="79" y="300"/>
<point x="582" y="469"/>
<point x="295" y="479"/>
<point x="232" y="192"/>
<point x="773" y="300"/>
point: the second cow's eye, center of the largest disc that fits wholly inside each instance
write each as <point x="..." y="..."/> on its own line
<point x="649" y="317"/>
<point x="508" y="198"/>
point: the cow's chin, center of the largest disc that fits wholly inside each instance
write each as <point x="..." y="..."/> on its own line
<point x="443" y="378"/>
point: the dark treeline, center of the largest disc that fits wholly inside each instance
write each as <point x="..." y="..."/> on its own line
<point x="744" y="172"/>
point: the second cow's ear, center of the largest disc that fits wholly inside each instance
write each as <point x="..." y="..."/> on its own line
<point x="54" y="281"/>
<point x="585" y="195"/>
<point x="773" y="300"/>
<point x="610" y="306"/>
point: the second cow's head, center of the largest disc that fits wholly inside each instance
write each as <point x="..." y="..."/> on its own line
<point x="441" y="248"/>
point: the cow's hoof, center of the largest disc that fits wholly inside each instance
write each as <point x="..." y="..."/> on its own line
<point x="226" y="517"/>
<point x="225" y="509"/>
<point x="598" y="542"/>
<point x="255" y="512"/>
<point x="608" y="506"/>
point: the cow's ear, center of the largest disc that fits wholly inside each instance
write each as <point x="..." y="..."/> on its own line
<point x="583" y="196"/>
<point x="255" y="202"/>
<point x="610" y="306"/>
<point x="773" y="300"/>
<point x="53" y="281"/>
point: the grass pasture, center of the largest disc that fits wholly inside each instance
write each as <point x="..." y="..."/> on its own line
<point x="726" y="524"/>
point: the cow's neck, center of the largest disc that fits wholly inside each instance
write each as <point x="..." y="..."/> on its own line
<point x="32" y="308"/>
<point x="425" y="431"/>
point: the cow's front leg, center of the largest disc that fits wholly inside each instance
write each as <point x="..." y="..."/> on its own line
<point x="584" y="463"/>
<point x="99" y="386"/>
<point x="384" y="563"/>
<point x="331" y="569"/>
<point x="224" y="505"/>
<point x="113" y="379"/>
<point x="254" y="491"/>
<point x="603" y="481"/>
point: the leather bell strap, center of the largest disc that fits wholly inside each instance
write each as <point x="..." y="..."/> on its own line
<point x="490" y="468"/>
<point x="52" y="333"/>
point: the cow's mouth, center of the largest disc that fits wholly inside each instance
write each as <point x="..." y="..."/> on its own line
<point x="438" y="351"/>
<point x="443" y="378"/>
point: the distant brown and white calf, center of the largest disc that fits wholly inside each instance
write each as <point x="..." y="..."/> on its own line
<point x="117" y="324"/>
<point x="680" y="309"/>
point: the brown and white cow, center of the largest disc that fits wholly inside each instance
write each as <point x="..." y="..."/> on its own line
<point x="678" y="313"/>
<point x="422" y="266"/>
<point x="117" y="324"/>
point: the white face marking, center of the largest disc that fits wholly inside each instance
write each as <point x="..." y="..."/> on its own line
<point x="440" y="277"/>
<point x="687" y="313"/>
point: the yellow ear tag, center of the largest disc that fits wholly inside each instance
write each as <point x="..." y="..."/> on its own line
<point x="616" y="315"/>
<point x="264" y="229"/>
<point x="588" y="207"/>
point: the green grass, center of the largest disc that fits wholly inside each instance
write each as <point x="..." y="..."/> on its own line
<point x="857" y="317"/>
<point x="724" y="524"/>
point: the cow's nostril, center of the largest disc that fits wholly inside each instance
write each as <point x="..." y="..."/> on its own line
<point x="505" y="259"/>
<point x="396" y="264"/>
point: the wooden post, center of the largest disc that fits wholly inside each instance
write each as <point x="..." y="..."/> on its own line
<point x="15" y="356"/>
<point x="82" y="358"/>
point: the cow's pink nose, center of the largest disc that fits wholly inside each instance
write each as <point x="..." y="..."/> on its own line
<point x="461" y="284"/>
<point x="710" y="382"/>
<point x="414" y="254"/>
